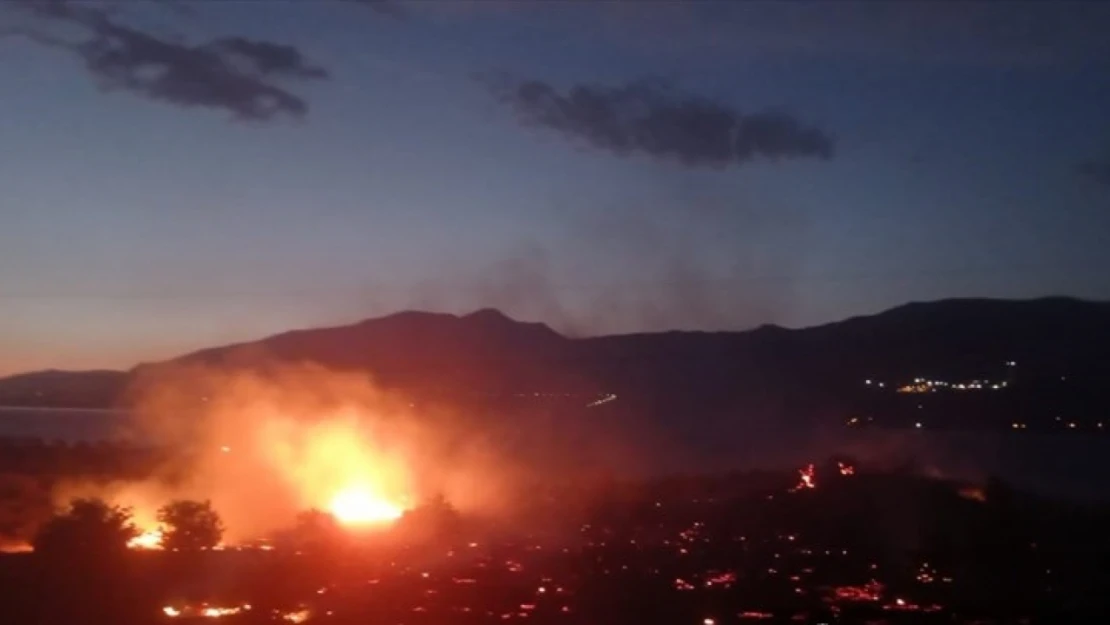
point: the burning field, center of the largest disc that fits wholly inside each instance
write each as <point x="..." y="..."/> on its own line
<point x="304" y="496"/>
<point x="264" y="447"/>
<point x="832" y="543"/>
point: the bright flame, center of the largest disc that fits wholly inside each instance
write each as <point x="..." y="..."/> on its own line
<point x="264" y="449"/>
<point x="148" y="539"/>
<point x="359" y="506"/>
<point x="212" y="612"/>
<point x="15" y="547"/>
<point x="205" y="611"/>
<point x="298" y="616"/>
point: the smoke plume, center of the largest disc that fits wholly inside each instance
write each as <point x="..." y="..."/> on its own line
<point x="265" y="443"/>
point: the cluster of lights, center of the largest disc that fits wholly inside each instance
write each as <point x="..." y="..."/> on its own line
<point x="925" y="385"/>
<point x="1071" y="425"/>
<point x="922" y="385"/>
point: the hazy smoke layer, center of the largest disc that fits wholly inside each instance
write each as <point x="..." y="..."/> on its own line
<point x="264" y="444"/>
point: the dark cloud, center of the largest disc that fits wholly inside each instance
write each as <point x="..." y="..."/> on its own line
<point x="651" y="117"/>
<point x="233" y="74"/>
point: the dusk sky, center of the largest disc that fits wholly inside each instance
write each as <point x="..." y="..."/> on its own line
<point x="191" y="174"/>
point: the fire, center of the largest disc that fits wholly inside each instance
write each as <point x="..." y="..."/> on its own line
<point x="806" y="478"/>
<point x="356" y="505"/>
<point x="265" y="448"/>
<point x="298" y="616"/>
<point x="144" y="517"/>
<point x="205" y="611"/>
<point x="15" y="547"/>
<point x="973" y="493"/>
<point x="147" y="539"/>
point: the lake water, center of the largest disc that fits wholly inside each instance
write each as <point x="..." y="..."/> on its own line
<point x="1062" y="463"/>
<point x="63" y="424"/>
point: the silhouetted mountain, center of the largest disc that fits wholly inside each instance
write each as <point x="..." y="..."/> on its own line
<point x="483" y="352"/>
<point x="766" y="375"/>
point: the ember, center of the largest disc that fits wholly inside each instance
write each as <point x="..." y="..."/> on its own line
<point x="871" y="591"/>
<point x="806" y="478"/>
<point x="298" y="616"/>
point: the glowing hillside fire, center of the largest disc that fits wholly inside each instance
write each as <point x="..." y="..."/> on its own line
<point x="360" y="506"/>
<point x="264" y="448"/>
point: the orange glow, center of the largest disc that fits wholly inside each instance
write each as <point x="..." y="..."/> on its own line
<point x="204" y="610"/>
<point x="144" y="517"/>
<point x="806" y="478"/>
<point x="361" y="506"/>
<point x="147" y="539"/>
<point x="265" y="447"/>
<point x="871" y="591"/>
<point x="973" y="493"/>
<point x="15" y="547"/>
<point x="298" y="616"/>
<point x="337" y="465"/>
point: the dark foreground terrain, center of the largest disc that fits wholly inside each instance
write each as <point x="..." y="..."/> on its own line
<point x="833" y="545"/>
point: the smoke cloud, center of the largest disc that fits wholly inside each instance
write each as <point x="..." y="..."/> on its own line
<point x="266" y="442"/>
<point x="669" y="257"/>
<point x="652" y="118"/>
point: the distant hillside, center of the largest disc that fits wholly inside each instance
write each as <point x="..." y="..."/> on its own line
<point x="766" y="375"/>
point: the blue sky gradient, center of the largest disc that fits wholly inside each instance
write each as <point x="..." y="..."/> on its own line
<point x="135" y="229"/>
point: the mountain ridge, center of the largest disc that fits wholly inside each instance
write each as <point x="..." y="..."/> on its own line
<point x="764" y="370"/>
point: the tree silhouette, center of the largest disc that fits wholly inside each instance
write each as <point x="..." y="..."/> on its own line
<point x="190" y="525"/>
<point x="315" y="531"/>
<point x="434" y="518"/>
<point x="90" y="529"/>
